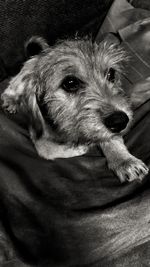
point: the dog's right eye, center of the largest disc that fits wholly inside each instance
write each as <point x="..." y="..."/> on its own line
<point x="71" y="84"/>
<point x="111" y="75"/>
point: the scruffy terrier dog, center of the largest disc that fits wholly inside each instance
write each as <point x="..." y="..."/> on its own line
<point x="73" y="95"/>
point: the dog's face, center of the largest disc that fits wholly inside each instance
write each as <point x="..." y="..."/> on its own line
<point x="82" y="90"/>
<point x="78" y="88"/>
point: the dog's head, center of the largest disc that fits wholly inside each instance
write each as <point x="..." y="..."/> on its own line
<point x="75" y="88"/>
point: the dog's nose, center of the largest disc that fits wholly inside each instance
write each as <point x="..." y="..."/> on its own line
<point x="117" y="121"/>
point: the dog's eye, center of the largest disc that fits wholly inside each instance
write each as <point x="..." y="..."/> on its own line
<point x="111" y="75"/>
<point x="71" y="84"/>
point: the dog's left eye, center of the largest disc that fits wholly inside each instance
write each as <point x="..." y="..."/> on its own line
<point x="111" y="75"/>
<point x="71" y="84"/>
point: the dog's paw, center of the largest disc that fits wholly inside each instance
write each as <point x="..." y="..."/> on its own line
<point x="130" y="170"/>
<point x="8" y="103"/>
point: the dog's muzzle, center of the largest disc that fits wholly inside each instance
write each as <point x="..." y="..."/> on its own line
<point x="117" y="121"/>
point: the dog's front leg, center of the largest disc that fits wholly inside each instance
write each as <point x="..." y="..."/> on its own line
<point x="120" y="161"/>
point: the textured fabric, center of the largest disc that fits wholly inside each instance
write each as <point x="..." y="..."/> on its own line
<point x="73" y="212"/>
<point x="145" y="4"/>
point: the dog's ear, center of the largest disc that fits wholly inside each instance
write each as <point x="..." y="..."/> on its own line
<point x="35" y="45"/>
<point x="34" y="116"/>
<point x="21" y="97"/>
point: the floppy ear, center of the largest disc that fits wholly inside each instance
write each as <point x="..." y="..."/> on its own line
<point x="35" y="45"/>
<point x="37" y="124"/>
<point x="21" y="96"/>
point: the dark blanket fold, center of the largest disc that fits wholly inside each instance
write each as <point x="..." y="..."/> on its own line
<point x="73" y="212"/>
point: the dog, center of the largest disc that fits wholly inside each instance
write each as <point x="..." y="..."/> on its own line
<point x="72" y="94"/>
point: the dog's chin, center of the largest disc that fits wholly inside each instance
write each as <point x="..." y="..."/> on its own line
<point x="96" y="138"/>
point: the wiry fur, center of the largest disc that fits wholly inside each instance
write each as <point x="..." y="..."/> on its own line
<point x="65" y="124"/>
